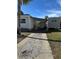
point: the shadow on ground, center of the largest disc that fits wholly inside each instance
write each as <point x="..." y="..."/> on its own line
<point x="20" y="38"/>
<point x="45" y="39"/>
<point x="42" y="30"/>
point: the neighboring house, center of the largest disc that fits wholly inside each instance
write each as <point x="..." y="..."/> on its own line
<point x="54" y="22"/>
<point x="28" y="22"/>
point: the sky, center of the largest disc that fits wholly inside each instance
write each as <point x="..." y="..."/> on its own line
<point x="42" y="8"/>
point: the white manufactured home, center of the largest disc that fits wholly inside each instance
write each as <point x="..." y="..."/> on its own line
<point x="26" y="22"/>
<point x="54" y="22"/>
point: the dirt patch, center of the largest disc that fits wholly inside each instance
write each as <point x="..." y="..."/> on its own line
<point x="22" y="36"/>
<point x="56" y="49"/>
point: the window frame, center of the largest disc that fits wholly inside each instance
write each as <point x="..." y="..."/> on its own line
<point x="53" y="20"/>
<point x="22" y="20"/>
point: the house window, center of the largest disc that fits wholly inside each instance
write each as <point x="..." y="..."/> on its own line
<point x="23" y="21"/>
<point x="53" y="20"/>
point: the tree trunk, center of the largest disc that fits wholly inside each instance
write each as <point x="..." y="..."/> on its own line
<point x="18" y="20"/>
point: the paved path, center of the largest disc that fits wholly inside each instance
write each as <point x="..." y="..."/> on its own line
<point x="35" y="46"/>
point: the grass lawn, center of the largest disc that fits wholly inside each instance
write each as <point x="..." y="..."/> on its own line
<point x="54" y="39"/>
<point x="54" y="36"/>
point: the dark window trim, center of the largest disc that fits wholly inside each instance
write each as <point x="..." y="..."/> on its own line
<point x="53" y="20"/>
<point x="23" y="21"/>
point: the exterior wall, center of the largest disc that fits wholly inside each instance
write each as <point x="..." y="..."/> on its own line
<point x="33" y="23"/>
<point x="54" y="22"/>
<point x="28" y="22"/>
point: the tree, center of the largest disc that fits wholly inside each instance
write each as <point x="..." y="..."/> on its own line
<point x="20" y="2"/>
<point x="46" y="22"/>
<point x="46" y="18"/>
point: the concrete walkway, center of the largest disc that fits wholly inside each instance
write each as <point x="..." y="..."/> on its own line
<point x="35" y="46"/>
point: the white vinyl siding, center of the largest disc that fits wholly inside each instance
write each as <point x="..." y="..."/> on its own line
<point x="54" y="23"/>
<point x="27" y="23"/>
